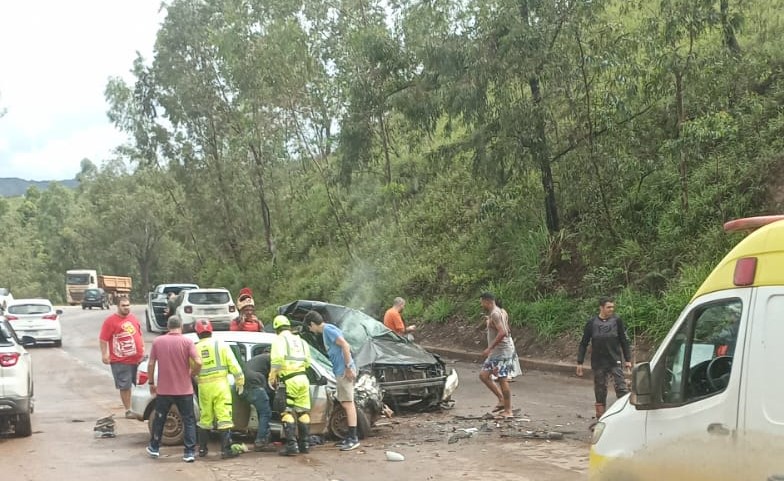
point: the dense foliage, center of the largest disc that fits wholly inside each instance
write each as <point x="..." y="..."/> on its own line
<point x="355" y="150"/>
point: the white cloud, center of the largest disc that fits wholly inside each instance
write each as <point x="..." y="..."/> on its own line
<point x="59" y="158"/>
<point x="55" y="60"/>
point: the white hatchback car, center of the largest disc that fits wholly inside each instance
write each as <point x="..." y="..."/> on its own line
<point x="16" y="382"/>
<point x="36" y="318"/>
<point x="213" y="304"/>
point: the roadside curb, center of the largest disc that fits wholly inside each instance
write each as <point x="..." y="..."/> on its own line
<point x="525" y="363"/>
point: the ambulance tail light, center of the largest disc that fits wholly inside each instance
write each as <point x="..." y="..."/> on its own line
<point x="745" y="270"/>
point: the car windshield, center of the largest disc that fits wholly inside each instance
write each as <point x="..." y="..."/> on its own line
<point x="175" y="289"/>
<point x="206" y="298"/>
<point x="357" y="327"/>
<point x="29" y="309"/>
<point x="92" y="292"/>
<point x="4" y="291"/>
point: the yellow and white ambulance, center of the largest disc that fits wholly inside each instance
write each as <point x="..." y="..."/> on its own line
<point x="710" y="404"/>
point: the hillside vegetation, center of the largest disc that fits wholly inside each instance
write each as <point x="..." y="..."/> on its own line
<point x="15" y="187"/>
<point x="353" y="151"/>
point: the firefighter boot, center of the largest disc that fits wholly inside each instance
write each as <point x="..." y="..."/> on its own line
<point x="226" y="451"/>
<point x="290" y="448"/>
<point x="304" y="437"/>
<point x="204" y="437"/>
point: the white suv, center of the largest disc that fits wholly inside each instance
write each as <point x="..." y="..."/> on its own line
<point x="16" y="382"/>
<point x="213" y="304"/>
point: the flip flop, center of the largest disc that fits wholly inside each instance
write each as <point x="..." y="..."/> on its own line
<point x="498" y="408"/>
<point x="504" y="418"/>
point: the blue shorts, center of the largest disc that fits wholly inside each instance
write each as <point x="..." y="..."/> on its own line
<point x="500" y="368"/>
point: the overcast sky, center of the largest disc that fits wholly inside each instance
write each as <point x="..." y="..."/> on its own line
<point x="55" y="59"/>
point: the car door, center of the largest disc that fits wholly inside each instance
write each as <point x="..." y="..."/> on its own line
<point x="762" y="410"/>
<point x="240" y="407"/>
<point x="319" y="397"/>
<point x="15" y="365"/>
<point x="697" y="420"/>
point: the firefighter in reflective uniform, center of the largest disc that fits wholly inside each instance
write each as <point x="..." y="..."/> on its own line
<point x="290" y="357"/>
<point x="214" y="389"/>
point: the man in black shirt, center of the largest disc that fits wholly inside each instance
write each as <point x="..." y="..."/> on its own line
<point x="257" y="393"/>
<point x="607" y="336"/>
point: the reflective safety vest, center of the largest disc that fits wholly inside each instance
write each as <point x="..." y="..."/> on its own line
<point x="217" y="361"/>
<point x="290" y="354"/>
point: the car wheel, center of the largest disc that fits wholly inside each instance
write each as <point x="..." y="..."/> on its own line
<point x="58" y="343"/>
<point x="147" y="320"/>
<point x="338" y="423"/>
<point x="24" y="426"/>
<point x="84" y="307"/>
<point x="173" y="428"/>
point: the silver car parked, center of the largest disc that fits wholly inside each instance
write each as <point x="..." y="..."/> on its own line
<point x="327" y="416"/>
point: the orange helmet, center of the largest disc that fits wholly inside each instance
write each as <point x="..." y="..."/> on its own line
<point x="202" y="325"/>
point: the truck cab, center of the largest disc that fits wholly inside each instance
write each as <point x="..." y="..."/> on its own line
<point x="155" y="314"/>
<point x="709" y="405"/>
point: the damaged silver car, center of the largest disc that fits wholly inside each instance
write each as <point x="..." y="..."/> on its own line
<point x="409" y="375"/>
<point x="328" y="418"/>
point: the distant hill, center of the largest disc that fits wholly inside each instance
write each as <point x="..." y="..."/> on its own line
<point x="13" y="187"/>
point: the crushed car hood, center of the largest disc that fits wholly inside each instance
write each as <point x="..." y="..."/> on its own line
<point x="383" y="351"/>
<point x="372" y="343"/>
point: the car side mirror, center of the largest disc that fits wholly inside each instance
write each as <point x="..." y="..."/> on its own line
<point x="642" y="386"/>
<point x="59" y="312"/>
<point x="27" y="341"/>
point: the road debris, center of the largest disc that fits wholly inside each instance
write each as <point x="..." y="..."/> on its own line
<point x="549" y="435"/>
<point x="104" y="427"/>
<point x="394" y="456"/>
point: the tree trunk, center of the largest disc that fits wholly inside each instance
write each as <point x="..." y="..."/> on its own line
<point x="682" y="167"/>
<point x="265" y="210"/>
<point x="541" y="153"/>
<point x="730" y="40"/>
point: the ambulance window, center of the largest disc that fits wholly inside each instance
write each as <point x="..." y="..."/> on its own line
<point x="698" y="360"/>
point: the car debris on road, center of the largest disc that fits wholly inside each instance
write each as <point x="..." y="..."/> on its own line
<point x="104" y="427"/>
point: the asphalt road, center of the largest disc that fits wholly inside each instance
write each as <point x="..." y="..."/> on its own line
<point x="73" y="389"/>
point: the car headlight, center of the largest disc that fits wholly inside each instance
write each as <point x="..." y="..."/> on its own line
<point x="598" y="429"/>
<point x="450" y="386"/>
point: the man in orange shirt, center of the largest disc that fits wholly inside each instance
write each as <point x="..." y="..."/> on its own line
<point x="394" y="321"/>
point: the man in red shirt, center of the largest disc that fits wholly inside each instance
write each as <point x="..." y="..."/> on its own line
<point x="247" y="321"/>
<point x="393" y="319"/>
<point x="122" y="347"/>
<point x="175" y="359"/>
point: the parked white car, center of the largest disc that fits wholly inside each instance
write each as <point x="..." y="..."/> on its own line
<point x="36" y="318"/>
<point x="16" y="382"/>
<point x="216" y="305"/>
<point x="327" y="416"/>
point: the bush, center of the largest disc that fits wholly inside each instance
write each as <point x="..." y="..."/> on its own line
<point x="439" y="311"/>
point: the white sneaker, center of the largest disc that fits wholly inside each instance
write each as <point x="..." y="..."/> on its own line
<point x="152" y="453"/>
<point x="350" y="444"/>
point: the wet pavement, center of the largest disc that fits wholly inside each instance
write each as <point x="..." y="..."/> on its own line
<point x="73" y="390"/>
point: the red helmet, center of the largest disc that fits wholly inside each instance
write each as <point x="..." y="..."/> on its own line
<point x="202" y="325"/>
